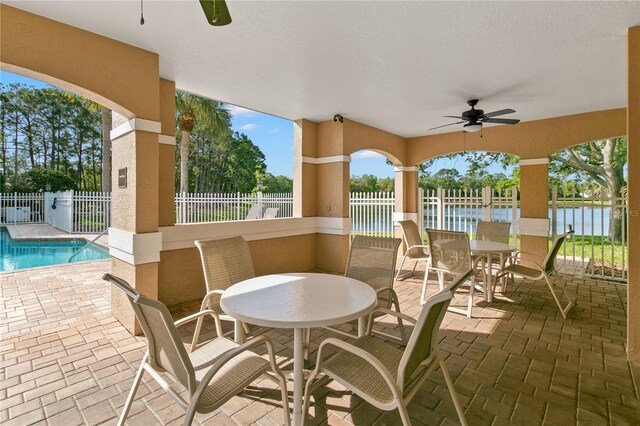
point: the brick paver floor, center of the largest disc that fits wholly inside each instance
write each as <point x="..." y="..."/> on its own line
<point x="64" y="360"/>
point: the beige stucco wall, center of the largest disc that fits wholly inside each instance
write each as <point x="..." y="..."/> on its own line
<point x="117" y="75"/>
<point x="180" y="271"/>
<point x="358" y="136"/>
<point x="531" y="139"/>
<point x="633" y="138"/>
<point x="167" y="155"/>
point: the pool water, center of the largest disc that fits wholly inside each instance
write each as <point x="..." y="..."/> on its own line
<point x="22" y="255"/>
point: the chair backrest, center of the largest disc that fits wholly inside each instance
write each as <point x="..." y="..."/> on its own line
<point x="449" y="251"/>
<point x="166" y="350"/>
<point x="372" y="260"/>
<point x="412" y="237"/>
<point x="549" y="261"/>
<point x="493" y="231"/>
<point x="253" y="213"/>
<point x="424" y="338"/>
<point x="270" y="213"/>
<point x="225" y="261"/>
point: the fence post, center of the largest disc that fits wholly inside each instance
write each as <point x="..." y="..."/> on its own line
<point x="260" y="203"/>
<point x="554" y="210"/>
<point x="514" y="213"/>
<point x="420" y="210"/>
<point x="440" y="208"/>
<point x="487" y="195"/>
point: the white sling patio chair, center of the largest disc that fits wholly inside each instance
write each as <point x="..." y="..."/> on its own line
<point x="543" y="271"/>
<point x="384" y="376"/>
<point x="270" y="213"/>
<point x="225" y="261"/>
<point x="450" y="253"/>
<point x="217" y="371"/>
<point x="372" y="260"/>
<point x="416" y="249"/>
<point x="490" y="231"/>
<point x="254" y="212"/>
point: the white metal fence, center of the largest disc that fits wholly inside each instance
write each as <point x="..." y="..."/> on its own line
<point x="198" y="208"/>
<point x="460" y="210"/>
<point x="599" y="222"/>
<point x="372" y="213"/>
<point x="21" y="208"/>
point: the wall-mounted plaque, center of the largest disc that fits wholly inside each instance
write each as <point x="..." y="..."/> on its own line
<point x="122" y="178"/>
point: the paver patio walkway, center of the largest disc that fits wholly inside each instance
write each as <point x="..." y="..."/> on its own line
<point x="64" y="360"/>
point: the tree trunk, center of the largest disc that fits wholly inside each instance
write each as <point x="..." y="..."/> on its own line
<point x="184" y="161"/>
<point x="106" y="149"/>
<point x="614" y="176"/>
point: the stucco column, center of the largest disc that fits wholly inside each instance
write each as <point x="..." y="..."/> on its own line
<point x="167" y="154"/>
<point x="321" y="189"/>
<point x="406" y="194"/>
<point x="633" y="152"/>
<point x="134" y="240"/>
<point x="534" y="205"/>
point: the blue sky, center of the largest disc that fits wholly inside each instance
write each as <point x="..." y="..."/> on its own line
<point x="274" y="136"/>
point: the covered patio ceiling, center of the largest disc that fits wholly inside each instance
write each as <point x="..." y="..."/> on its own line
<point x="398" y="66"/>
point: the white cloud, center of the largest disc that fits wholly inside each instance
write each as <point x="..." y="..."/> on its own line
<point x="366" y="154"/>
<point x="272" y="131"/>
<point x="249" y="126"/>
<point x="237" y="111"/>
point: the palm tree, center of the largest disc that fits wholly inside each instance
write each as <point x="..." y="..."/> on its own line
<point x="192" y="110"/>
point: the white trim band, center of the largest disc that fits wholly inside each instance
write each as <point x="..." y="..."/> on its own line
<point x="182" y="236"/>
<point x="398" y="216"/>
<point x="139" y="124"/>
<point x="327" y="160"/>
<point x="166" y="139"/>
<point x="135" y="249"/>
<point x="406" y="169"/>
<point x="534" y="161"/>
<point x="533" y="227"/>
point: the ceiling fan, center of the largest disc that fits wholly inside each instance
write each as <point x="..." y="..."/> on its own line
<point x="474" y="118"/>
<point x="216" y="11"/>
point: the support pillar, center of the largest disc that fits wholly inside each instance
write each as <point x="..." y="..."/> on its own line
<point x="321" y="189"/>
<point x="167" y="154"/>
<point x="633" y="152"/>
<point x="534" y="206"/>
<point x="134" y="240"/>
<point x="406" y="194"/>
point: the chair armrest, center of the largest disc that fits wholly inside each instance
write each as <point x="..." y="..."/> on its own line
<point x="418" y="246"/>
<point x="519" y="252"/>
<point x="187" y="319"/>
<point x="366" y="356"/>
<point x="211" y="294"/>
<point x="395" y="314"/>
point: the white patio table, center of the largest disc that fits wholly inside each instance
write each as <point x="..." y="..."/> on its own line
<point x="489" y="248"/>
<point x="298" y="301"/>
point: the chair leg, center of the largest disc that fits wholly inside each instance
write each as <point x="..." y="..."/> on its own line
<point x="423" y="295"/>
<point x="403" y="335"/>
<point x="472" y="288"/>
<point x="132" y="392"/>
<point x="285" y="399"/>
<point x="196" y="334"/>
<point x="452" y="391"/>
<point x="400" y="268"/>
<point x="404" y="414"/>
<point x="307" y="342"/>
<point x="570" y="303"/>
<point x="441" y="280"/>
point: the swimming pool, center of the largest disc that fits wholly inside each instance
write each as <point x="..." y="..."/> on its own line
<point x="23" y="255"/>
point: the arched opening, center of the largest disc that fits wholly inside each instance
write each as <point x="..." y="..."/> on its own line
<point x="587" y="192"/>
<point x="459" y="189"/>
<point x="371" y="193"/>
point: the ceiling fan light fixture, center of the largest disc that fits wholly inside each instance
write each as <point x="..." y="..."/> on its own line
<point x="472" y="127"/>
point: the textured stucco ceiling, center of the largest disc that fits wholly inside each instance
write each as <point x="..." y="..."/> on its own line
<point x="399" y="66"/>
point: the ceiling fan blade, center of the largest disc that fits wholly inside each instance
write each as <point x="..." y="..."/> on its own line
<point x="500" y="112"/>
<point x="216" y="12"/>
<point x="455" y="116"/>
<point x="450" y="124"/>
<point x="502" y="120"/>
